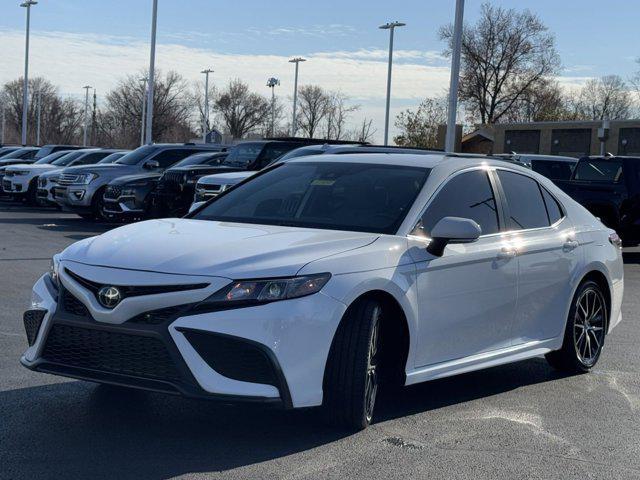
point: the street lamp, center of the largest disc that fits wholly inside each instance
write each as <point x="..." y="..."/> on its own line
<point x="272" y="83"/>
<point x="39" y="108"/>
<point x="144" y="107"/>
<point x="152" y="64"/>
<point x="391" y="27"/>
<point x="25" y="89"/>
<point x="86" y="110"/>
<point x="205" y="116"/>
<point x="450" y="138"/>
<point x="297" y="61"/>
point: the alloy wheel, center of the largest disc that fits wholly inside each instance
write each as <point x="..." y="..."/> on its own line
<point x="371" y="386"/>
<point x="589" y="326"/>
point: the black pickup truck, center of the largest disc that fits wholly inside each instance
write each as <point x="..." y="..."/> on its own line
<point x="609" y="187"/>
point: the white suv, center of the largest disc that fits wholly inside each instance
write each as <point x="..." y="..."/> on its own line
<point x="322" y="279"/>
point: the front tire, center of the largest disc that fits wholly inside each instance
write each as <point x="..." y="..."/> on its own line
<point x="352" y="377"/>
<point x="585" y="331"/>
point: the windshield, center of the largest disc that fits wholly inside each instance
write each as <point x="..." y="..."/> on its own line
<point x="17" y="153"/>
<point x="112" y="158"/>
<point x="51" y="157"/>
<point x="134" y="157"/>
<point x="243" y="154"/>
<point x="599" y="170"/>
<point x="43" y="152"/>
<point x="68" y="158"/>
<point x="198" y="159"/>
<point x="330" y="195"/>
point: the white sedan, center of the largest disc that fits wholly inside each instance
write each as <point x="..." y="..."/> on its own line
<point x="323" y="279"/>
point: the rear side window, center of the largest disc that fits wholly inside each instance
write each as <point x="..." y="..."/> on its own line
<point x="273" y="151"/>
<point x="468" y="195"/>
<point x="552" y="170"/>
<point x="524" y="199"/>
<point x="553" y="208"/>
<point x="598" y="170"/>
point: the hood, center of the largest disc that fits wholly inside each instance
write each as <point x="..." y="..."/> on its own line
<point x="52" y="173"/>
<point x="200" y="247"/>
<point x="150" y="177"/>
<point x="26" y="166"/>
<point x="15" y="161"/>
<point x="104" y="167"/>
<point x="226" y="178"/>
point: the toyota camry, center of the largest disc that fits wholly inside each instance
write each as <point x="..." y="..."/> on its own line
<point x="323" y="280"/>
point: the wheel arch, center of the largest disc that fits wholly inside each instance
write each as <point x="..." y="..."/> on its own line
<point x="598" y="273"/>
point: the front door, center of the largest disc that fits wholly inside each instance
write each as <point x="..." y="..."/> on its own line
<point x="467" y="297"/>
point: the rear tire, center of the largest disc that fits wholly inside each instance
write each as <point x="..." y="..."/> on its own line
<point x="585" y="331"/>
<point x="352" y="376"/>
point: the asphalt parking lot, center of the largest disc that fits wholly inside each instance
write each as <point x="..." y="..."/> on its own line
<point x="516" y="421"/>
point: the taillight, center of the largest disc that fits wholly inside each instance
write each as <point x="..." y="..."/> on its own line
<point x="615" y="240"/>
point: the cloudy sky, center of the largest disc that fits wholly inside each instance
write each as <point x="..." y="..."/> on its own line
<point x="79" y="42"/>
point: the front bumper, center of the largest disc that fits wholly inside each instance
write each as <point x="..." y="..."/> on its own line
<point x="218" y="355"/>
<point x="122" y="208"/>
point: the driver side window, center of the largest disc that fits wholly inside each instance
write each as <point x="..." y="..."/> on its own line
<point x="467" y="195"/>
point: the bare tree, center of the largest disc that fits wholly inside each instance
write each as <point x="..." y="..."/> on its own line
<point x="196" y="97"/>
<point x="600" y="98"/>
<point x="504" y="55"/>
<point x="241" y="110"/>
<point x="60" y="118"/>
<point x="314" y="104"/>
<point x="419" y="128"/>
<point x="635" y="83"/>
<point x="546" y="103"/>
<point x="364" y="132"/>
<point x="119" y="122"/>
<point x="338" y="113"/>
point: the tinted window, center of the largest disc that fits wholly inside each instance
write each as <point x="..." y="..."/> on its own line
<point x="112" y="157"/>
<point x="553" y="208"/>
<point x="166" y="158"/>
<point x="331" y="195"/>
<point x="273" y="151"/>
<point x="90" y="158"/>
<point x="44" y="151"/>
<point x="51" y="157"/>
<point x="134" y="157"/>
<point x="201" y="159"/>
<point x="302" y="152"/>
<point x="243" y="154"/>
<point x="67" y="159"/>
<point x="20" y="153"/>
<point x="526" y="207"/>
<point x="468" y="195"/>
<point x="599" y="170"/>
<point x="553" y="170"/>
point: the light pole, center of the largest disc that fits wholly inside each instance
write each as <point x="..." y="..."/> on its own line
<point x="272" y="83"/>
<point x="297" y="61"/>
<point x="391" y="27"/>
<point x="2" y="128"/>
<point x="38" y="118"/>
<point x="450" y="138"/>
<point x="205" y="116"/>
<point x="25" y="89"/>
<point x="144" y="107"/>
<point x="152" y="64"/>
<point x="86" y="111"/>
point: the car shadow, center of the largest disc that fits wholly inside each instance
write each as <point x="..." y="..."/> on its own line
<point x="631" y="257"/>
<point x="80" y="430"/>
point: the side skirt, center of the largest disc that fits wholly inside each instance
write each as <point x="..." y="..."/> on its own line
<point x="483" y="360"/>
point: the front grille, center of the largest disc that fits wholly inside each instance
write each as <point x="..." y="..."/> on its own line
<point x="135" y="290"/>
<point x="234" y="357"/>
<point x="171" y="181"/>
<point x="68" y="179"/>
<point x="32" y="320"/>
<point x="211" y="188"/>
<point x="59" y="192"/>
<point x="72" y="305"/>
<point x="113" y="192"/>
<point x="107" y="351"/>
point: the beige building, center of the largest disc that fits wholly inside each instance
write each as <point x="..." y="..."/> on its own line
<point x="555" y="138"/>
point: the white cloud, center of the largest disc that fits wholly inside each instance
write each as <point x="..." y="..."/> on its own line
<point x="73" y="60"/>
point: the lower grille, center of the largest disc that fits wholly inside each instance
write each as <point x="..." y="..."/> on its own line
<point x="112" y="352"/>
<point x="73" y="306"/>
<point x="59" y="192"/>
<point x="32" y="321"/>
<point x="113" y="191"/>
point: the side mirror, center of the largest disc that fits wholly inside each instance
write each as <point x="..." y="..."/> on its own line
<point x="450" y="230"/>
<point x="151" y="164"/>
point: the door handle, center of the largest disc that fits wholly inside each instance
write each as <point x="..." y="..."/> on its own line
<point x="570" y="245"/>
<point x="507" y="253"/>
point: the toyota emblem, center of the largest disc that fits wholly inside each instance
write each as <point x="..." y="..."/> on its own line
<point x="109" y="296"/>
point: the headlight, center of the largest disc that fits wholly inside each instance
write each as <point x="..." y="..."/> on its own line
<point x="86" y="178"/>
<point x="255" y="292"/>
<point x="20" y="172"/>
<point x="54" y="269"/>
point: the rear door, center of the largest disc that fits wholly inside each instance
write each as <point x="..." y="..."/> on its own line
<point x="547" y="251"/>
